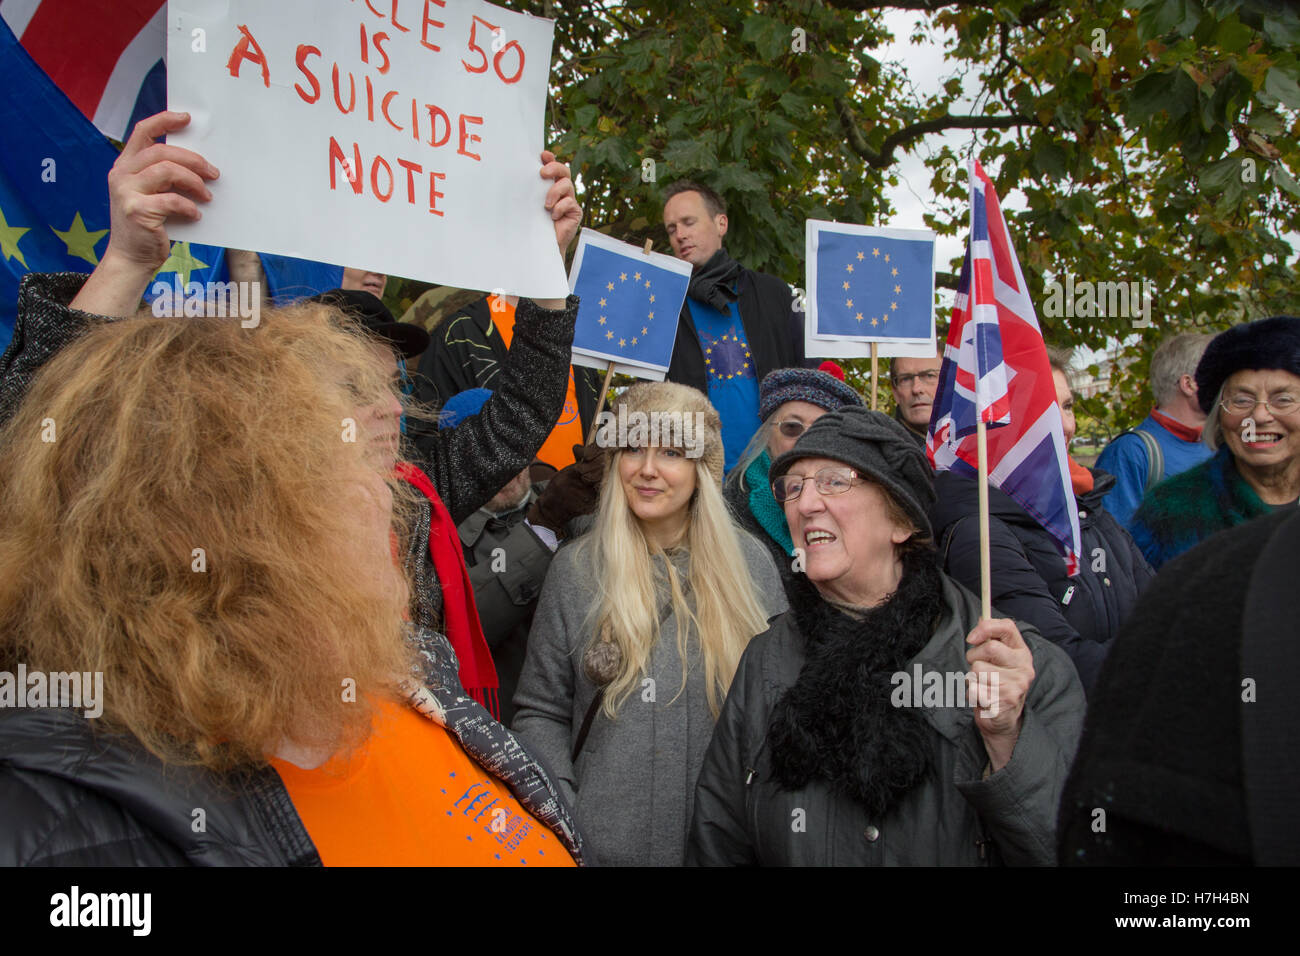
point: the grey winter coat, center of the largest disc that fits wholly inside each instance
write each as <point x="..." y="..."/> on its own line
<point x="741" y="817"/>
<point x="632" y="786"/>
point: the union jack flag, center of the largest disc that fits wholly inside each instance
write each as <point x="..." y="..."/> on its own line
<point x="995" y="368"/>
<point x="106" y="55"/>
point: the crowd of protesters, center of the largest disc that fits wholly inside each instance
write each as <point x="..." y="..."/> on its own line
<point x="366" y="595"/>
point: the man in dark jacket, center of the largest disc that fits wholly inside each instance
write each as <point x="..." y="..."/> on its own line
<point x="1081" y="614"/>
<point x="914" y="382"/>
<point x="736" y="324"/>
<point x="468" y="350"/>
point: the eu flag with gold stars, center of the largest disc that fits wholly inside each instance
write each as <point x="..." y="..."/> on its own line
<point x="53" y="180"/>
<point x="54" y="211"/>
<point x="872" y="283"/>
<point x="629" y="305"/>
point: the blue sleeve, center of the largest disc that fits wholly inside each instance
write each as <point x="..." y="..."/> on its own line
<point x="1126" y="459"/>
<point x="1151" y="547"/>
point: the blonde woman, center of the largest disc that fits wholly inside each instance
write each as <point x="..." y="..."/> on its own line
<point x="639" y="629"/>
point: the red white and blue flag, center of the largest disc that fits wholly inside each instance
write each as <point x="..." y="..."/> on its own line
<point x="995" y="369"/>
<point x="106" y="55"/>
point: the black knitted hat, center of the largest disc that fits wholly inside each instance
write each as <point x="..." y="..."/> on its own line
<point x="1267" y="343"/>
<point x="408" y="340"/>
<point x="803" y="385"/>
<point x="876" y="447"/>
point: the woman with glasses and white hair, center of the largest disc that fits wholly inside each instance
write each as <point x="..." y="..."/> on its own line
<point x="880" y="721"/>
<point x="789" y="400"/>
<point x="1248" y="383"/>
<point x="639" y="628"/>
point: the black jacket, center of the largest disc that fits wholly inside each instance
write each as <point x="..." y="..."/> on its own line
<point x="744" y="817"/>
<point x="773" y="329"/>
<point x="1082" y="614"/>
<point x="71" y="798"/>
<point x="507" y="564"/>
<point x="1190" y="744"/>
<point x="466" y="351"/>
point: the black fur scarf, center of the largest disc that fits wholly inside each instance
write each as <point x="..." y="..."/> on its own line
<point x="836" y="722"/>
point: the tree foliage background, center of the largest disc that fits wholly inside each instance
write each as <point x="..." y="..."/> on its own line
<point x="1152" y="140"/>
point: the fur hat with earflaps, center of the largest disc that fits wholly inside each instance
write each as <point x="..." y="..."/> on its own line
<point x="666" y="413"/>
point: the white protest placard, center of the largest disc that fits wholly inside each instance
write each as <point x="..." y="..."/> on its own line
<point x="866" y="285"/>
<point x="399" y="136"/>
<point x="629" y="304"/>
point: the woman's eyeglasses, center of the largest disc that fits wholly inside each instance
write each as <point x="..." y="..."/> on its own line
<point x="829" y="481"/>
<point x="791" y="427"/>
<point x="1243" y="404"/>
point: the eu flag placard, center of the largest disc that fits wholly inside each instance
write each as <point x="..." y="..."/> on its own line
<point x="870" y="284"/>
<point x="54" y="214"/>
<point x="629" y="306"/>
<point x="53" y="180"/>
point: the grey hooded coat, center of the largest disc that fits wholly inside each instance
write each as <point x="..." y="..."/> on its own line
<point x="632" y="785"/>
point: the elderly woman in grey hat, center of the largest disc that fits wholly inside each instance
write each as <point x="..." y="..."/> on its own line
<point x="880" y="721"/>
<point x="789" y="400"/>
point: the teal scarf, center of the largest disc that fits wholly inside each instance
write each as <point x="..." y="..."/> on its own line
<point x="764" y="507"/>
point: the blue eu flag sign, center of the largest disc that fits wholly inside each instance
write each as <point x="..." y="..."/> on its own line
<point x="873" y="283"/>
<point x="53" y="170"/>
<point x="54" y="198"/>
<point x="629" y="305"/>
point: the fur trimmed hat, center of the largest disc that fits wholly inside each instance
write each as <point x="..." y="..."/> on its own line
<point x="803" y="385"/>
<point x="875" y="446"/>
<point x="1266" y="343"/>
<point x="691" y="422"/>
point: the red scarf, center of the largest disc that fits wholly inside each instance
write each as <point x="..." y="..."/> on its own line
<point x="1175" y="427"/>
<point x="1080" y="477"/>
<point x="460" y="620"/>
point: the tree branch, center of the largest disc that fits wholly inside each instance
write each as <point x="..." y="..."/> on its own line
<point x="884" y="157"/>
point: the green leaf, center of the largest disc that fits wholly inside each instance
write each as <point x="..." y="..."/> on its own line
<point x="1281" y="83"/>
<point x="1218" y="176"/>
<point x="1267" y="122"/>
<point x="1050" y="160"/>
<point x="1233" y="36"/>
<point x="1282" y="176"/>
<point x="1282" y="28"/>
<point x="585" y="117"/>
<point x="1150" y="94"/>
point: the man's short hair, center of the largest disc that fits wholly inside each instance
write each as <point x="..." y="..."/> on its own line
<point x="889" y="362"/>
<point x="1175" y="357"/>
<point x="712" y="201"/>
<point x="1059" y="360"/>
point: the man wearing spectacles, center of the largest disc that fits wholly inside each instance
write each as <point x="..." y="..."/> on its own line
<point x="914" y="382"/>
<point x="1168" y="441"/>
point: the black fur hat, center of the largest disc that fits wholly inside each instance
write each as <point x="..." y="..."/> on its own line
<point x="1267" y="343"/>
